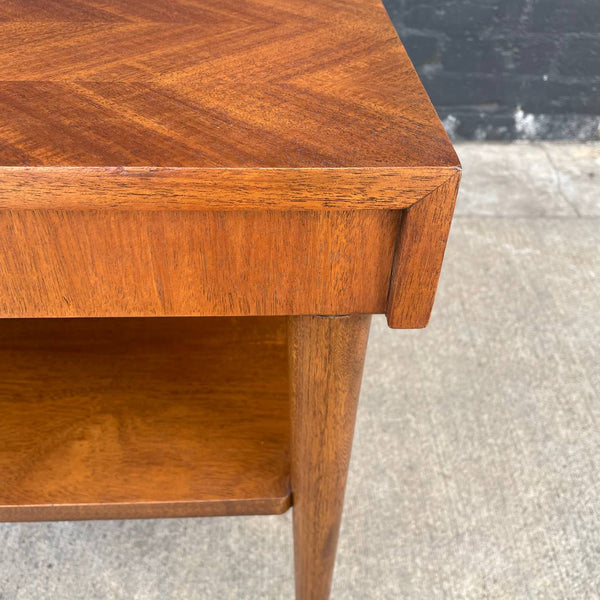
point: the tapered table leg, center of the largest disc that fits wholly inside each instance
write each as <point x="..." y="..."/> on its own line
<point x="326" y="362"/>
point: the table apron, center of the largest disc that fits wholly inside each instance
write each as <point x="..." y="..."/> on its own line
<point x="93" y="263"/>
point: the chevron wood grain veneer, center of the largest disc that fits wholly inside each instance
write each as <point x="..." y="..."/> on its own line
<point x="272" y="166"/>
<point x="220" y="104"/>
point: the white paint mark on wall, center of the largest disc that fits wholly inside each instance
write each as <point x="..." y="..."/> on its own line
<point x="525" y="124"/>
<point x="451" y="124"/>
<point x="556" y="126"/>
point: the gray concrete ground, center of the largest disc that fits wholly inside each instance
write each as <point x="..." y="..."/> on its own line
<point x="476" y="466"/>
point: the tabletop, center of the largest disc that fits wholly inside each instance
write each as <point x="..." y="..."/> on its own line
<point x="264" y="101"/>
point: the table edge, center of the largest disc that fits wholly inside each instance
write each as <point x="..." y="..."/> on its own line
<point x="191" y="188"/>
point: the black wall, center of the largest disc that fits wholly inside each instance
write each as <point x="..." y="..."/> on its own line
<point x="507" y="69"/>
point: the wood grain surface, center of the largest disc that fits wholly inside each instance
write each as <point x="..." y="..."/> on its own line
<point x="174" y="263"/>
<point x="326" y="363"/>
<point x="294" y="103"/>
<point x="422" y="238"/>
<point x="126" y="418"/>
<point x="152" y="188"/>
<point x="214" y="106"/>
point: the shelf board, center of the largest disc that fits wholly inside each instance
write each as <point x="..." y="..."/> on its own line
<point x="149" y="417"/>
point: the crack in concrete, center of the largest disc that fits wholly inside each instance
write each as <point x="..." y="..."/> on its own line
<point x="559" y="188"/>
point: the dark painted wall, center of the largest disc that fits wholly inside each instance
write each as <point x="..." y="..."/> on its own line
<point x="507" y="69"/>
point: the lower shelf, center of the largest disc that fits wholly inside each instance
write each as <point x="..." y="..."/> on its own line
<point x="130" y="418"/>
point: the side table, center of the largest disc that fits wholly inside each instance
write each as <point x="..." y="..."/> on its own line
<point x="201" y="204"/>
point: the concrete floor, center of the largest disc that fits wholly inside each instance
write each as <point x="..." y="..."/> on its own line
<point x="476" y="465"/>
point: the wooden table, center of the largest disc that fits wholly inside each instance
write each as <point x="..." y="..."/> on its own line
<point x="273" y="166"/>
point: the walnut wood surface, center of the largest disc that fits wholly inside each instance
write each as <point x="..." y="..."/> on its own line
<point x="111" y="110"/>
<point x="304" y="100"/>
<point x="140" y="188"/>
<point x="326" y="362"/>
<point x="173" y="263"/>
<point x="121" y="418"/>
<point x="422" y="238"/>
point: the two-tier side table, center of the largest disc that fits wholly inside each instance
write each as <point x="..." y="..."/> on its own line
<point x="201" y="204"/>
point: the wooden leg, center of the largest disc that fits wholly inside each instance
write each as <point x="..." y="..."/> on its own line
<point x="326" y="362"/>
